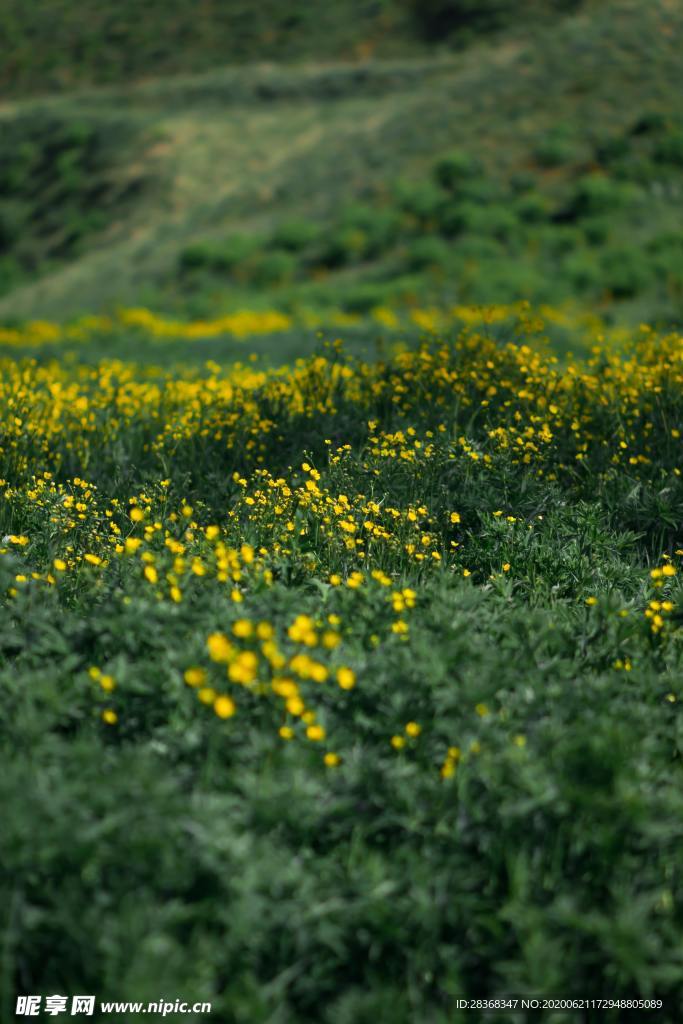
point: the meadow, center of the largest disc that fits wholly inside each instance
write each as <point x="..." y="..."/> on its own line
<point x="341" y="402"/>
<point x="339" y="690"/>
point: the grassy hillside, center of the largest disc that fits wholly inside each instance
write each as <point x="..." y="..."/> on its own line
<point x="570" y="135"/>
<point x="56" y="44"/>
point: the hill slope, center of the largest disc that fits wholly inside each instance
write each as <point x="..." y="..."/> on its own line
<point x="238" y="152"/>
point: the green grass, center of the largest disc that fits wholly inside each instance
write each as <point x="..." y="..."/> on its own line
<point x="55" y="46"/>
<point x="176" y="854"/>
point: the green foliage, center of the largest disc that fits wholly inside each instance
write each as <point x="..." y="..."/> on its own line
<point x="296" y="235"/>
<point x="558" y="147"/>
<point x="62" y="181"/>
<point x="442" y="18"/>
<point x="59" y="46"/>
<point x="218" y="257"/>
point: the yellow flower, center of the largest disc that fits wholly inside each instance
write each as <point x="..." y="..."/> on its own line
<point x="591" y="600"/>
<point x="224" y="707"/>
<point x="243" y="669"/>
<point x="59" y="565"/>
<point x="93" y="559"/>
<point x="109" y="716"/>
<point x="137" y="514"/>
<point x="335" y="579"/>
<point x="286" y="732"/>
<point x="315" y="733"/>
<point x="398" y="742"/>
<point x="455" y="517"/>
<point x="151" y="574"/>
<point x="668" y="570"/>
<point x="346" y="678"/>
<point x="302" y="631"/>
<point x="194" y="676"/>
<point x="242" y="628"/>
<point x="318" y="672"/>
<point x="207" y="695"/>
<point x="413" y="729"/>
<point x="332" y="760"/>
<point x="219" y="647"/>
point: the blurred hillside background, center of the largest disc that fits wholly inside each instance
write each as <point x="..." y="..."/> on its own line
<point x="199" y="158"/>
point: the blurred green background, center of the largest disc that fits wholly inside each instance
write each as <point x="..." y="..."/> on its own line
<point x="205" y="157"/>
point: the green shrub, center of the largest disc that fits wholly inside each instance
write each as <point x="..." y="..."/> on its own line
<point x="344" y="246"/>
<point x="533" y="207"/>
<point x="457" y="167"/>
<point x="422" y="200"/>
<point x="557" y="147"/>
<point x="437" y="19"/>
<point x="625" y="271"/>
<point x="429" y="252"/>
<point x="271" y="268"/>
<point x="670" y="149"/>
<point x="583" y="271"/>
<point x="597" y="194"/>
<point x="495" y="221"/>
<point x="219" y="257"/>
<point x="296" y="235"/>
<point x="597" y="229"/>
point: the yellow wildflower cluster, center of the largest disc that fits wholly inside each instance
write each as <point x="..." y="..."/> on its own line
<point x="355" y="479"/>
<point x="242" y="324"/>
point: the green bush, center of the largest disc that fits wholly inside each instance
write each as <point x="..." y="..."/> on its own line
<point x="219" y="257"/>
<point x="428" y="253"/>
<point x="557" y="147"/>
<point x="583" y="271"/>
<point x="670" y="149"/>
<point x="625" y="271"/>
<point x="494" y="221"/>
<point x="343" y="247"/>
<point x="597" y="194"/>
<point x="271" y="268"/>
<point x="438" y="19"/>
<point x="296" y="235"/>
<point x="422" y="201"/>
<point x="454" y="169"/>
<point x="533" y="207"/>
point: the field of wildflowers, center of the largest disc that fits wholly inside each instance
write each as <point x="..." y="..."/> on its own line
<point x="339" y="689"/>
